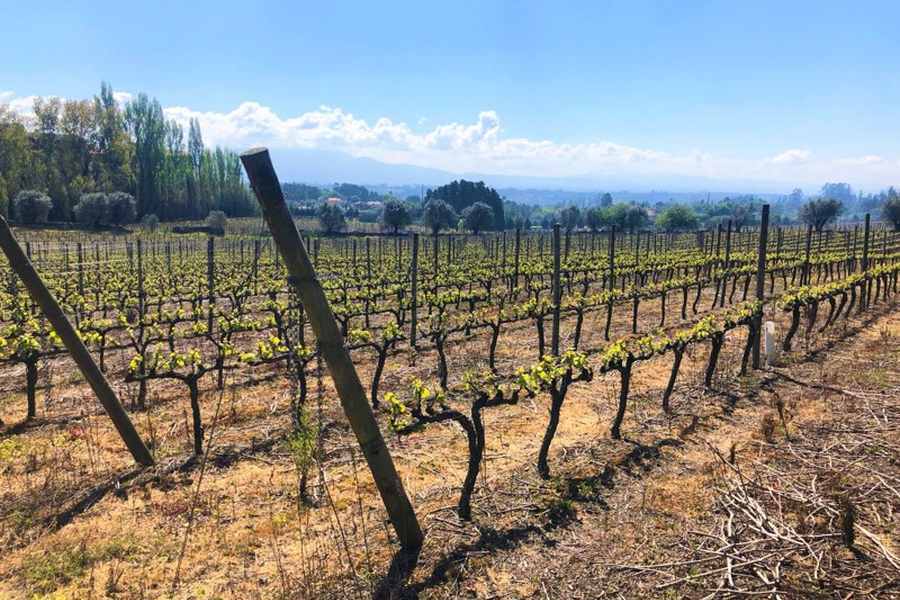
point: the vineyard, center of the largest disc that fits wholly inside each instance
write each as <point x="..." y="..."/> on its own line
<point x="520" y="379"/>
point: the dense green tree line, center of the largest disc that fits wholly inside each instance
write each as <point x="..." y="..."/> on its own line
<point x="76" y="147"/>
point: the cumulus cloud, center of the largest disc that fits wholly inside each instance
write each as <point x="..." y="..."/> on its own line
<point x="482" y="146"/>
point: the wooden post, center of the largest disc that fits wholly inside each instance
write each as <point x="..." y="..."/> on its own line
<point x="557" y="292"/>
<point x="727" y="262"/>
<point x="140" y="280"/>
<point x="255" y="267"/>
<point x="353" y="397"/>
<point x="51" y="309"/>
<point x="805" y="279"/>
<point x="612" y="258"/>
<point x="210" y="282"/>
<point x="80" y="269"/>
<point x="414" y="289"/>
<point x="435" y="248"/>
<point x="516" y="258"/>
<point x="718" y="239"/>
<point x="866" y="232"/>
<point x="761" y="278"/>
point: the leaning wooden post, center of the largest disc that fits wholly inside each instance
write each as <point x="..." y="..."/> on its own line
<point x="557" y="295"/>
<point x="42" y="296"/>
<point x="414" y="289"/>
<point x="353" y="397"/>
<point x="760" y="280"/>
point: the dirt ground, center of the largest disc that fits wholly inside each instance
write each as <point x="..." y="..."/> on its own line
<point x="627" y="518"/>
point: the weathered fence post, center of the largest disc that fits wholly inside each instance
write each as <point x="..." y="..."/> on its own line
<point x="265" y="184"/>
<point x="42" y="296"/>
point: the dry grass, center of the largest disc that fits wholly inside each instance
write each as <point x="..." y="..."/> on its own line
<point x="609" y="502"/>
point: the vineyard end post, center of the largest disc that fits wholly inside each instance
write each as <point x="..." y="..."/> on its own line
<point x="264" y="182"/>
<point x="51" y="309"/>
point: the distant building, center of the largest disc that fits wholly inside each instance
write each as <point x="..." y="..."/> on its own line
<point x="334" y="201"/>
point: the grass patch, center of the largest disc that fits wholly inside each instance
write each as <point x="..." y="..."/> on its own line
<point x="45" y="571"/>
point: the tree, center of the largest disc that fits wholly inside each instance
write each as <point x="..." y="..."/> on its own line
<point x="890" y="210"/>
<point x="76" y="147"/>
<point x="570" y="218"/>
<point x="818" y="213"/>
<point x="463" y="194"/>
<point x="331" y="218"/>
<point x="395" y="215"/>
<point x="195" y="145"/>
<point x="478" y="217"/>
<point x="147" y="126"/>
<point x="606" y="200"/>
<point x="628" y="217"/>
<point x="31" y="207"/>
<point x="301" y="193"/>
<point x="596" y="218"/>
<point x="16" y="155"/>
<point x="438" y="215"/>
<point x="842" y="192"/>
<point x="92" y="209"/>
<point x="677" y="217"/>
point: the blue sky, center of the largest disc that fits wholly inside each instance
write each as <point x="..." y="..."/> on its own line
<point x="777" y="91"/>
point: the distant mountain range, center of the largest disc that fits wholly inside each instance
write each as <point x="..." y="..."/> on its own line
<point x="323" y="167"/>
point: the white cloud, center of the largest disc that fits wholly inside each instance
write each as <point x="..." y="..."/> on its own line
<point x="791" y="157"/>
<point x="859" y="161"/>
<point x="481" y="146"/>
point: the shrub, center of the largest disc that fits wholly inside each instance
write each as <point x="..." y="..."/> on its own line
<point x="92" y="209"/>
<point x="121" y="208"/>
<point x="217" y="219"/>
<point x="32" y="206"/>
<point x="150" y="222"/>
